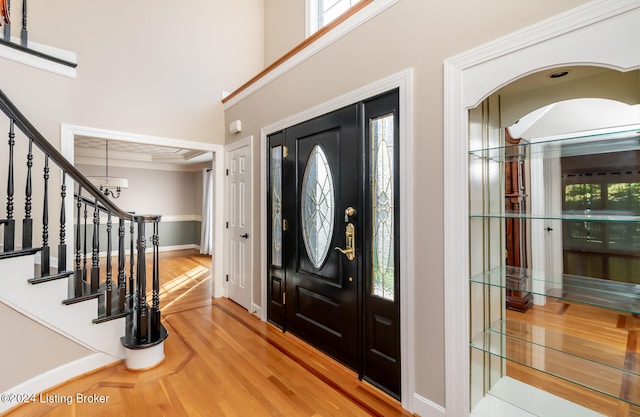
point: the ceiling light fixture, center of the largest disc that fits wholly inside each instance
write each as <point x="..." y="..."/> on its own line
<point x="108" y="184"/>
<point x="558" y="74"/>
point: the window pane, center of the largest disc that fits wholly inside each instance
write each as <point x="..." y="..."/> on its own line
<point x="317" y="207"/>
<point x="325" y="11"/>
<point x="582" y="196"/>
<point x="383" y="257"/>
<point x="624" y="197"/>
<point x="276" y="206"/>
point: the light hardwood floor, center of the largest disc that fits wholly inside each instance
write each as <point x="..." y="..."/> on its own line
<point x="220" y="361"/>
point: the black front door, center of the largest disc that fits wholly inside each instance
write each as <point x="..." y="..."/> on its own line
<point x="333" y="277"/>
<point x="322" y="282"/>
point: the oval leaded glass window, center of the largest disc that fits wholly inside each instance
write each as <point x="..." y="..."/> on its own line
<point x="317" y="206"/>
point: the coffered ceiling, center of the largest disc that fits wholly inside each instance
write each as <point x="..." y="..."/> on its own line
<point x="92" y="151"/>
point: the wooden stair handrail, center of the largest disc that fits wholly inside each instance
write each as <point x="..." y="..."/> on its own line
<point x="299" y="47"/>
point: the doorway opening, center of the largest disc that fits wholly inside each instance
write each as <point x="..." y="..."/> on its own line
<point x="175" y="159"/>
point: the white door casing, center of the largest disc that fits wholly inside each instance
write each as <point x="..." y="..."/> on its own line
<point x="238" y="214"/>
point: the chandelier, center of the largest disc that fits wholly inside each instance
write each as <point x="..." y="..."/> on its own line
<point x="109" y="186"/>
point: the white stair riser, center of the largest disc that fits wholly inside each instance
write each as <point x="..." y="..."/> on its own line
<point x="43" y="303"/>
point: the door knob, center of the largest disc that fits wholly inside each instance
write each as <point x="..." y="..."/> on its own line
<point x="245" y="236"/>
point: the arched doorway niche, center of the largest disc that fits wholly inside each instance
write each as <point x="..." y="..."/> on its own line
<point x="569" y="40"/>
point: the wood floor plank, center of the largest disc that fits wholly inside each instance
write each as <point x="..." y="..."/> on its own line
<point x="223" y="361"/>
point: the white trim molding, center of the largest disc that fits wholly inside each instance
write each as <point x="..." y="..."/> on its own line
<point x="366" y="13"/>
<point x="56" y="376"/>
<point x="181" y="218"/>
<point x="404" y="82"/>
<point x="39" y="62"/>
<point x="68" y="132"/>
<point x="427" y="408"/>
<point x="566" y="39"/>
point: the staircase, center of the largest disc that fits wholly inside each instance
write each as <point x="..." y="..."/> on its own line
<point x="92" y="291"/>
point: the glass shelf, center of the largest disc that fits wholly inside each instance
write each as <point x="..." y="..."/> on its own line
<point x="614" y="295"/>
<point x="591" y="216"/>
<point x="600" y="353"/>
<point x="613" y="381"/>
<point x="624" y="140"/>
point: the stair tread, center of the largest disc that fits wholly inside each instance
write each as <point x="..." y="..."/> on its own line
<point x="17" y="253"/>
<point x="115" y="312"/>
<point x="50" y="277"/>
<point x="86" y="293"/>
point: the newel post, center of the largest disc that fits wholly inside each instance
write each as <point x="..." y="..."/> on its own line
<point x="141" y="319"/>
<point x="155" y="304"/>
<point x="144" y="340"/>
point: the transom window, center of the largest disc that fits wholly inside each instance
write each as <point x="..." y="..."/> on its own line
<point x="322" y="12"/>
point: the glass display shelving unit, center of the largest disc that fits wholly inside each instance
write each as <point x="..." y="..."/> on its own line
<point x="518" y="350"/>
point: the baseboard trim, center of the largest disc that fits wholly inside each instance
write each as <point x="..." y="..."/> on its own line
<point x="56" y="376"/>
<point x="424" y="407"/>
<point x="175" y="247"/>
<point x="257" y="311"/>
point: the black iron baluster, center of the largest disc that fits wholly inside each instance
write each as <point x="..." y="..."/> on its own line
<point x="141" y="323"/>
<point x="155" y="299"/>
<point x="45" y="251"/>
<point x="23" y="32"/>
<point x="62" y="246"/>
<point x="78" y="277"/>
<point x="95" y="263"/>
<point x="27" y="222"/>
<point x="84" y="246"/>
<point x="7" y="27"/>
<point x="109" y="284"/>
<point x="10" y="223"/>
<point x="122" y="279"/>
<point x="132" y="289"/>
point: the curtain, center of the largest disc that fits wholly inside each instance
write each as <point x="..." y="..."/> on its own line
<point x="206" y="234"/>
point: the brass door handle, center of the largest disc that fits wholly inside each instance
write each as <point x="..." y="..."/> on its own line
<point x="350" y="251"/>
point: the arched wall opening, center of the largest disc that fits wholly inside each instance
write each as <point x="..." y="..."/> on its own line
<point x="565" y="41"/>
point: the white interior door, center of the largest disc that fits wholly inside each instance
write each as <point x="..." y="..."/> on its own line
<point x="239" y="225"/>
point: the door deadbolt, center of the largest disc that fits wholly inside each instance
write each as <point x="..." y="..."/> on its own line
<point x="349" y="212"/>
